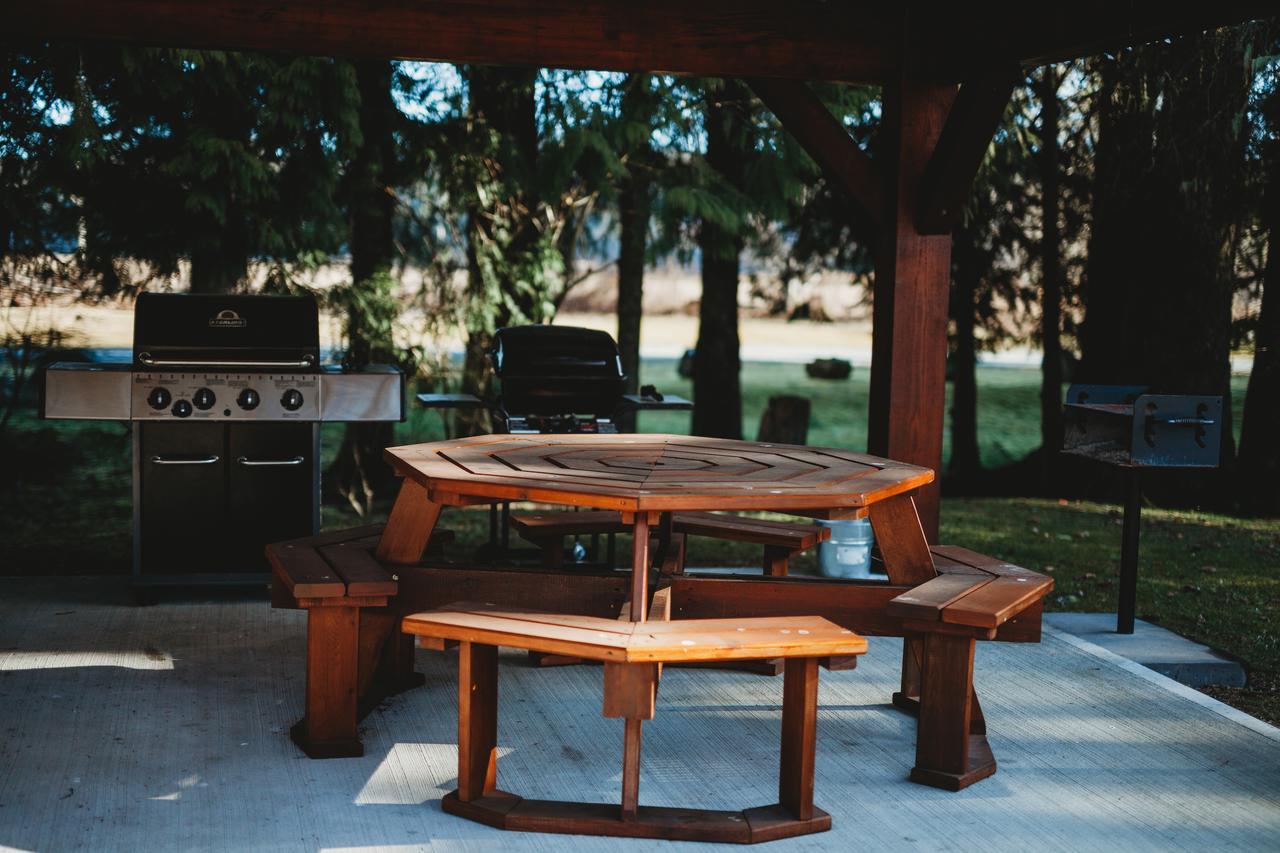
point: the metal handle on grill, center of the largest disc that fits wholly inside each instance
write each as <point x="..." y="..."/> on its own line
<point x="1196" y="422"/>
<point x="150" y="361"/>
<point x="204" y="460"/>
<point x="265" y="463"/>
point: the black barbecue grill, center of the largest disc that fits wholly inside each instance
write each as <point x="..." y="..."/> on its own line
<point x="1124" y="426"/>
<point x="226" y="394"/>
<point x="553" y="380"/>
<point x="557" y="379"/>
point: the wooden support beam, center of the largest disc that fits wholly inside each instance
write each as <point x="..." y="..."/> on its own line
<point x="913" y="276"/>
<point x="825" y="139"/>
<point x="808" y="39"/>
<point x="948" y="178"/>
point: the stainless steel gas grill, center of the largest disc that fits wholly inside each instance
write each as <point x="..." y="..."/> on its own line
<point x="226" y="395"/>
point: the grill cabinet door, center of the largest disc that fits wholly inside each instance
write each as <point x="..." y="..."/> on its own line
<point x="273" y="492"/>
<point x="183" y="524"/>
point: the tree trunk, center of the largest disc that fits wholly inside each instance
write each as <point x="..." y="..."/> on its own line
<point x="1160" y="284"/>
<point x="635" y="207"/>
<point x="965" y="458"/>
<point x="220" y="268"/>
<point x="1051" y="367"/>
<point x="1259" y="461"/>
<point x="785" y="420"/>
<point x="501" y="100"/>
<point x="358" y="473"/>
<point x="717" y="381"/>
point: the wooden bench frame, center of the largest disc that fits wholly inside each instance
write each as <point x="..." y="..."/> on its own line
<point x="780" y="540"/>
<point x="632" y="654"/>
<point x="951" y="746"/>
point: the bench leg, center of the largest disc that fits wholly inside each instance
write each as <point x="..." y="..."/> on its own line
<point x="908" y="697"/>
<point x="799" y="736"/>
<point x="386" y="658"/>
<point x="776" y="561"/>
<point x="329" y="728"/>
<point x="477" y="721"/>
<point x="951" y="744"/>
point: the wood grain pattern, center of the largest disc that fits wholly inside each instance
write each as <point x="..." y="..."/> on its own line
<point x="901" y="541"/>
<point x="653" y="473"/>
<point x="799" y="737"/>
<point x="477" y="720"/>
<point x="409" y="526"/>
<point x="913" y="278"/>
<point x="602" y="639"/>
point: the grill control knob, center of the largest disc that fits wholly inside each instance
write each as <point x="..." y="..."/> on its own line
<point x="159" y="398"/>
<point x="248" y="399"/>
<point x="292" y="400"/>
<point x="182" y="409"/>
<point x="204" y="399"/>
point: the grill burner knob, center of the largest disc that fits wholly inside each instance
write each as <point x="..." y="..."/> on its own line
<point x="292" y="399"/>
<point x="182" y="409"/>
<point x="248" y="399"/>
<point x="159" y="398"/>
<point x="204" y="399"/>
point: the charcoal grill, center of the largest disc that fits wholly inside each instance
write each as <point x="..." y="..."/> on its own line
<point x="226" y="395"/>
<point x="557" y="379"/>
<point x="1126" y="427"/>
<point x="554" y="380"/>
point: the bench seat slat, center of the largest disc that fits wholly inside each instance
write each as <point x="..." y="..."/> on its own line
<point x="992" y="604"/>
<point x="780" y="534"/>
<point x="304" y="571"/>
<point x="928" y="600"/>
<point x="981" y="561"/>
<point x="363" y="574"/>
<point x="609" y="640"/>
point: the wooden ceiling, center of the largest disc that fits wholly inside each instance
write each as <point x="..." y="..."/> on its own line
<point x="850" y="41"/>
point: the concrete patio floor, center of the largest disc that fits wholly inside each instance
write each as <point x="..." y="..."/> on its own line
<point x="165" y="727"/>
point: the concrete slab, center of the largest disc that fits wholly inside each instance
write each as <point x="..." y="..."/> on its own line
<point x="1160" y="649"/>
<point x="166" y="728"/>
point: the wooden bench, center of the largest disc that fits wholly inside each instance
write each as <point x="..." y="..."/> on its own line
<point x="345" y="590"/>
<point x="632" y="653"/>
<point x="781" y="540"/>
<point x="972" y="597"/>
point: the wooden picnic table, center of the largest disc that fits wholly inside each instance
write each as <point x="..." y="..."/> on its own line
<point x="940" y="600"/>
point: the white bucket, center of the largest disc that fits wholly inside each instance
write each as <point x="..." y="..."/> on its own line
<point x="847" y="554"/>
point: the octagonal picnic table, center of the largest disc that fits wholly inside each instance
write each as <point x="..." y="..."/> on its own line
<point x="940" y="599"/>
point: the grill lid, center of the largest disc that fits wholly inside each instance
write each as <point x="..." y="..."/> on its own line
<point x="238" y="331"/>
<point x="557" y="370"/>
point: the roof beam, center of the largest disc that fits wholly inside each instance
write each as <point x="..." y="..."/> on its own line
<point x="804" y="39"/>
<point x="972" y="122"/>
<point x="825" y="139"/>
<point x="855" y="41"/>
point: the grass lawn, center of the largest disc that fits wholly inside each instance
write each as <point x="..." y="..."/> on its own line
<point x="65" y="510"/>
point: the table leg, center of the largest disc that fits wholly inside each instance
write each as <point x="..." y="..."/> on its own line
<point x="409" y="526"/>
<point x="907" y="561"/>
<point x="640" y="567"/>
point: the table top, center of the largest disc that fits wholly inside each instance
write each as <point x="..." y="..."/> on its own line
<point x="653" y="472"/>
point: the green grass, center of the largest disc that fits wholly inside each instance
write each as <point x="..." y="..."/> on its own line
<point x="66" y="502"/>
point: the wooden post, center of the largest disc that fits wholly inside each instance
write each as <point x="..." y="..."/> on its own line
<point x="913" y="272"/>
<point x="329" y="728"/>
<point x="640" y="567"/>
<point x="477" y="720"/>
<point x="409" y="526"/>
<point x="631" y="767"/>
<point x="799" y="736"/>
